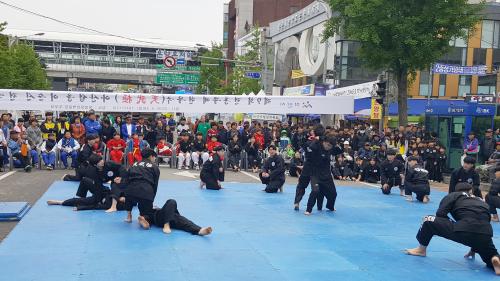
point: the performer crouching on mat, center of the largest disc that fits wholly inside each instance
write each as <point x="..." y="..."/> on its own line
<point x="492" y="198"/>
<point x="322" y="180"/>
<point x="169" y="217"/>
<point x="392" y="173"/>
<point x="142" y="184"/>
<point x="83" y="157"/>
<point x="212" y="173"/>
<point x="417" y="181"/>
<point x="472" y="227"/>
<point x="273" y="171"/>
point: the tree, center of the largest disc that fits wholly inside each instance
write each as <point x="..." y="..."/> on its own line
<point x="212" y="74"/>
<point x="248" y="62"/>
<point x="20" y="66"/>
<point x="402" y="36"/>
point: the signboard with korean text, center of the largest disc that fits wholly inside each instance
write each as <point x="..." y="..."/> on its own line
<point x="359" y="91"/>
<point x="376" y="112"/>
<point x="440" y="68"/>
<point x="177" y="78"/>
<point x="137" y="102"/>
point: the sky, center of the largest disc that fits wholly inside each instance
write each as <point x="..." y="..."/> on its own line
<point x="197" y="21"/>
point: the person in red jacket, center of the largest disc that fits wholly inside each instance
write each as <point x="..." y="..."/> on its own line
<point x="164" y="148"/>
<point x="212" y="143"/>
<point x="259" y="138"/>
<point x="116" y="146"/>
<point x="212" y="131"/>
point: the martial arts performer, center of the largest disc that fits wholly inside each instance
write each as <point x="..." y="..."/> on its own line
<point x="467" y="174"/>
<point x="321" y="179"/>
<point x="273" y="171"/>
<point x="392" y="173"/>
<point x="169" y="217"/>
<point x="471" y="227"/>
<point x="417" y="181"/>
<point x="371" y="172"/>
<point x="212" y="173"/>
<point x="83" y="157"/>
<point x="493" y="198"/>
<point x="142" y="184"/>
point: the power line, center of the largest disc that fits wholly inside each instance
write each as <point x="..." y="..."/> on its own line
<point x="80" y="27"/>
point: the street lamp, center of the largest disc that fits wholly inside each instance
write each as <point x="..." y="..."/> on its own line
<point x="13" y="40"/>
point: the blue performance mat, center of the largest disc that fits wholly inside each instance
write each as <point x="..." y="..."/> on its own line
<point x="13" y="211"/>
<point x="257" y="236"/>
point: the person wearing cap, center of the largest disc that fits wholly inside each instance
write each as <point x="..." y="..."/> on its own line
<point x="493" y="196"/>
<point x="128" y="129"/>
<point x="19" y="150"/>
<point x="371" y="172"/>
<point x="322" y="184"/>
<point x="391" y="173"/>
<point x="142" y="184"/>
<point x="273" y="171"/>
<point x="466" y="174"/>
<point x="366" y="152"/>
<point x="212" y="173"/>
<point x="183" y="149"/>
<point x="416" y="181"/>
<point x="48" y="126"/>
<point x="92" y="126"/>
<point x="470" y="226"/>
<point x="284" y="139"/>
<point x="487" y="147"/>
<point x="199" y="151"/>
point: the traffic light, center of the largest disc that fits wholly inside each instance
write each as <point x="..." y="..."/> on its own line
<point x="381" y="91"/>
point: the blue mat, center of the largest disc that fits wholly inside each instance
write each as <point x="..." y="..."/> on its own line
<point x="257" y="236"/>
<point x="13" y="211"/>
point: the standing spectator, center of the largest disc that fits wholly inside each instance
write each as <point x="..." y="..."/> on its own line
<point x="487" y="145"/>
<point x="259" y="139"/>
<point x="190" y="124"/>
<point x="233" y="131"/>
<point x="160" y="131"/>
<point x="141" y="127"/>
<point x="62" y="126"/>
<point x="471" y="145"/>
<point x="78" y="130"/>
<point x="107" y="131"/>
<point x="116" y="147"/>
<point x="68" y="146"/>
<point x="182" y="127"/>
<point x="3" y="147"/>
<point x="212" y="131"/>
<point x="222" y="133"/>
<point x="5" y="128"/>
<point x="48" y="149"/>
<point x="203" y="126"/>
<point x="92" y="126"/>
<point x="128" y="129"/>
<point x="118" y="124"/>
<point x="267" y="133"/>
<point x="48" y="126"/>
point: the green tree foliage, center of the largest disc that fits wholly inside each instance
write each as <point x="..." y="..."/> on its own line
<point x="20" y="67"/>
<point x="213" y="74"/>
<point x="402" y="36"/>
<point x="249" y="62"/>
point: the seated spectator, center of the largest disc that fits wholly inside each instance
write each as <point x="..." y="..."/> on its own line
<point x="259" y="139"/>
<point x="68" y="147"/>
<point x="288" y="153"/>
<point x="78" y="131"/>
<point x="199" y="151"/>
<point x="183" y="149"/>
<point x="98" y="147"/>
<point x="20" y="151"/>
<point x="48" y="149"/>
<point x="235" y="149"/>
<point x="116" y="147"/>
<point x="212" y="143"/>
<point x="164" y="148"/>
<point x="296" y="165"/>
<point x="284" y="140"/>
<point x="135" y="146"/>
<point x="254" y="159"/>
<point x="371" y="172"/>
<point x="471" y="145"/>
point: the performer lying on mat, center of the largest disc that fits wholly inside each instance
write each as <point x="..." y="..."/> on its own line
<point x="472" y="227"/>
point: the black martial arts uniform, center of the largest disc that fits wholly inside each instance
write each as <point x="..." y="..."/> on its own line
<point x="431" y="165"/>
<point x="417" y="181"/>
<point x="109" y="173"/>
<point x="169" y="214"/>
<point x="294" y="170"/>
<point x="97" y="200"/>
<point x="210" y="173"/>
<point x="471" y="227"/>
<point x="234" y="149"/>
<point x="492" y="197"/>
<point x="322" y="180"/>
<point x="391" y="175"/>
<point x="441" y="166"/>
<point x="305" y="176"/>
<point x="141" y="187"/>
<point x="371" y="173"/>
<point x="275" y="167"/>
<point x="84" y="168"/>
<point x="471" y="177"/>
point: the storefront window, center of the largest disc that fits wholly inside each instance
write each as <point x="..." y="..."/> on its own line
<point x="442" y="85"/>
<point x="464" y="83"/>
<point x="479" y="57"/>
<point x="456" y="56"/>
<point x="424" y="83"/>
<point x="487" y="84"/>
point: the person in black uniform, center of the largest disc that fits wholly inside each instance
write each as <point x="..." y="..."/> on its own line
<point x="431" y="165"/>
<point x="417" y="181"/>
<point x="371" y="172"/>
<point x="441" y="164"/>
<point x="212" y="173"/>
<point x="467" y="174"/>
<point x="273" y="171"/>
<point x="117" y="175"/>
<point x="471" y="227"/>
<point x="391" y="173"/>
<point x="235" y="149"/>
<point x="296" y="165"/>
<point x="84" y="154"/>
<point x="169" y="217"/>
<point x="321" y="179"/>
<point x="493" y="198"/>
<point x="142" y="184"/>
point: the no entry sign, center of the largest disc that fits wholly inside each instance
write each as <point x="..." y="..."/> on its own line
<point x="169" y="61"/>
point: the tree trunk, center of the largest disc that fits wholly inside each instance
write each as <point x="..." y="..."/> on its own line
<point x="402" y="80"/>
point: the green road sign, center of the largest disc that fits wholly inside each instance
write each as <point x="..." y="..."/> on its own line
<point x="178" y="68"/>
<point x="177" y="79"/>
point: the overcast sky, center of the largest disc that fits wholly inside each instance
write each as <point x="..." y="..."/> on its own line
<point x="198" y="21"/>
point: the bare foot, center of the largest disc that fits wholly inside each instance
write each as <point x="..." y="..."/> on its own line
<point x="205" y="231"/>
<point x="402" y="193"/>
<point x="166" y="229"/>
<point x="143" y="222"/>
<point x="419" y="251"/>
<point x="307" y="213"/>
<point x="202" y="185"/>
<point x="54" y="202"/>
<point x="495" y="218"/>
<point x="495" y="261"/>
<point x="426" y="199"/>
<point x="111" y="210"/>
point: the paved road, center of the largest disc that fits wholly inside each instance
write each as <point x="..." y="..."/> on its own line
<point x="29" y="187"/>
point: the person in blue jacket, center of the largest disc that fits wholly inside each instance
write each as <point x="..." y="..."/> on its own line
<point x="92" y="126"/>
<point x="128" y="128"/>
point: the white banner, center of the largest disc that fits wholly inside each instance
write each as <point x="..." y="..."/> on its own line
<point x="136" y="102"/>
<point x="357" y="91"/>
